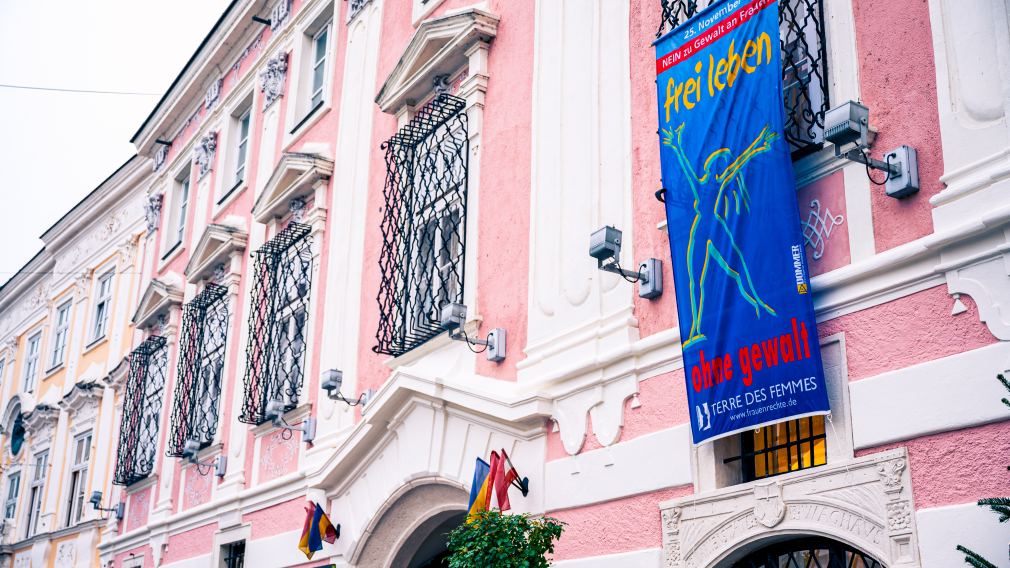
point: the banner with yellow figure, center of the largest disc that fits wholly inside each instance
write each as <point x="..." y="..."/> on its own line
<point x="751" y="354"/>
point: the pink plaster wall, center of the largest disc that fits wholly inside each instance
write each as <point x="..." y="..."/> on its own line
<point x="190" y="543"/>
<point x="825" y="220"/>
<point x="910" y="330"/>
<point x="957" y="467"/>
<point x="198" y="487"/>
<point x="277" y="455"/>
<point x="623" y="525"/>
<point x="649" y="241"/>
<point x="138" y="506"/>
<point x="284" y="517"/>
<point x="144" y="551"/>
<point x="897" y="80"/>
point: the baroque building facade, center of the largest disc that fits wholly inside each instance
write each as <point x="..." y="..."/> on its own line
<point x="325" y="175"/>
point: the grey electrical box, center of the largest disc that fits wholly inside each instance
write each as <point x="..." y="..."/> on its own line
<point x="847" y="123"/>
<point x="651" y="285"/>
<point x="906" y="182"/>
<point x="605" y="244"/>
<point x="452" y="316"/>
<point x="496" y="345"/>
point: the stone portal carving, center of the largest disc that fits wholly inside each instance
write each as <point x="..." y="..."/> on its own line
<point x="865" y="502"/>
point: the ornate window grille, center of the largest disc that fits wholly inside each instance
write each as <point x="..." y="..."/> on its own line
<point x="779" y="448"/>
<point x="201" y="360"/>
<point x="424" y="225"/>
<point x="804" y="65"/>
<point x="275" y="358"/>
<point x="808" y="552"/>
<point x="138" y="431"/>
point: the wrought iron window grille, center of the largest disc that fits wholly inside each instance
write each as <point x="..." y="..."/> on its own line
<point x="808" y="552"/>
<point x="138" y="431"/>
<point x="804" y="65"/>
<point x="201" y="361"/>
<point x="275" y="355"/>
<point x="422" y="262"/>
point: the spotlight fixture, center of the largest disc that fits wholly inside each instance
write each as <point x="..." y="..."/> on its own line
<point x="119" y="509"/>
<point x="275" y="413"/>
<point x="452" y="318"/>
<point x="191" y="448"/>
<point x="605" y="247"/>
<point x="847" y="126"/>
<point x="331" y="383"/>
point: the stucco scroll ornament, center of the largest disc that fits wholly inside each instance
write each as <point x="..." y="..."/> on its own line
<point x="272" y="79"/>
<point x="890" y="474"/>
<point x="769" y="509"/>
<point x="152" y="212"/>
<point x="297" y="207"/>
<point x="441" y="84"/>
<point x="66" y="554"/>
<point x="203" y="155"/>
<point x="671" y="537"/>
<point x="160" y="157"/>
<point x="213" y="94"/>
<point x="279" y="14"/>
<point x="899" y="515"/>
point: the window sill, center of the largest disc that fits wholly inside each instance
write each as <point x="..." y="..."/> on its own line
<point x="94" y="343"/>
<point x="293" y="417"/>
<point x="309" y="120"/>
<point x="229" y="197"/>
<point x="53" y="370"/>
<point x="171" y="252"/>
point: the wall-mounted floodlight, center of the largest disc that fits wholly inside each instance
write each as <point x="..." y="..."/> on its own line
<point x="119" y="509"/>
<point x="264" y="21"/>
<point x="333" y="379"/>
<point x="605" y="247"/>
<point x="452" y="318"/>
<point x="848" y="125"/>
<point x="191" y="448"/>
<point x="275" y="413"/>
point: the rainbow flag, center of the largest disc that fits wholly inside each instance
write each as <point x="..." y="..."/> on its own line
<point x="317" y="528"/>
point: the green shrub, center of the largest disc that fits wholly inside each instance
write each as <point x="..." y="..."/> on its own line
<point x="494" y="539"/>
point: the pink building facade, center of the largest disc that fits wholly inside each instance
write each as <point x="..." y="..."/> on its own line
<point x="326" y="176"/>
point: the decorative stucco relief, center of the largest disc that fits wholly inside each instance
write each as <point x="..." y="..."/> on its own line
<point x="864" y="502"/>
<point x="152" y="212"/>
<point x="272" y="79"/>
<point x="203" y="155"/>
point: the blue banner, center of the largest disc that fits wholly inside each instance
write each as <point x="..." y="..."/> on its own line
<point x="751" y="354"/>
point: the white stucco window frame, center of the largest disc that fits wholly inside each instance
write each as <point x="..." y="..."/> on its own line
<point x="226" y="187"/>
<point x="300" y="115"/>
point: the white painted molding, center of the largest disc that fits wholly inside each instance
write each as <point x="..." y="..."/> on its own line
<point x="959" y="391"/>
<point x="296" y="175"/>
<point x="158" y="299"/>
<point x="648" y="558"/>
<point x="648" y="463"/>
<point x="941" y="529"/>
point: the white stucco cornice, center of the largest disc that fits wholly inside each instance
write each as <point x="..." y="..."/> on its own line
<point x="439" y="46"/>
<point x="158" y="298"/>
<point x="233" y="29"/>
<point x="216" y="245"/>
<point x="296" y="175"/>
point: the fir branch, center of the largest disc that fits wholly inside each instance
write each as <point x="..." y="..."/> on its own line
<point x="998" y="505"/>
<point x="1006" y="385"/>
<point x="974" y="559"/>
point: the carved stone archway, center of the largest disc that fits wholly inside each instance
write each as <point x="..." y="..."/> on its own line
<point x="408" y="521"/>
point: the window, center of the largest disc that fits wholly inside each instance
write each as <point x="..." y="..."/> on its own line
<point x="422" y="257"/>
<point x="17" y="433"/>
<point x="243" y="146"/>
<point x="13" y="488"/>
<point x="783" y="447"/>
<point x="138" y="431"/>
<point x="201" y="361"/>
<point x="275" y="356"/>
<point x="102" y="305"/>
<point x="60" y="337"/>
<point x="233" y="554"/>
<point x="804" y="65"/>
<point x="319" y="44"/>
<point x="78" y="478"/>
<point x="808" y="552"/>
<point x="182" y="204"/>
<point x="3" y="365"/>
<point x="32" y="361"/>
<point x="35" y="496"/>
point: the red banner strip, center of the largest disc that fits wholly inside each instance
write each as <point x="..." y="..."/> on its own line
<point x="712" y="33"/>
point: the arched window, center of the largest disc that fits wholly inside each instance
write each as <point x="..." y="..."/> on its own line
<point x="17" y="434"/>
<point x="807" y="552"/>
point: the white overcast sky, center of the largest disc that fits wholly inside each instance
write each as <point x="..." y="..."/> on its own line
<point x="56" y="147"/>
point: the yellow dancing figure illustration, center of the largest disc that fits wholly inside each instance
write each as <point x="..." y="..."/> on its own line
<point x="717" y="196"/>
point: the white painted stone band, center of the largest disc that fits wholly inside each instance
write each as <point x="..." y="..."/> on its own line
<point x="647" y="463"/>
<point x="648" y="558"/>
<point x="959" y="391"/>
<point x="941" y="529"/>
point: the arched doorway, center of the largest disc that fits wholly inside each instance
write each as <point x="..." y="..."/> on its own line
<point x="432" y="551"/>
<point x="804" y="552"/>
